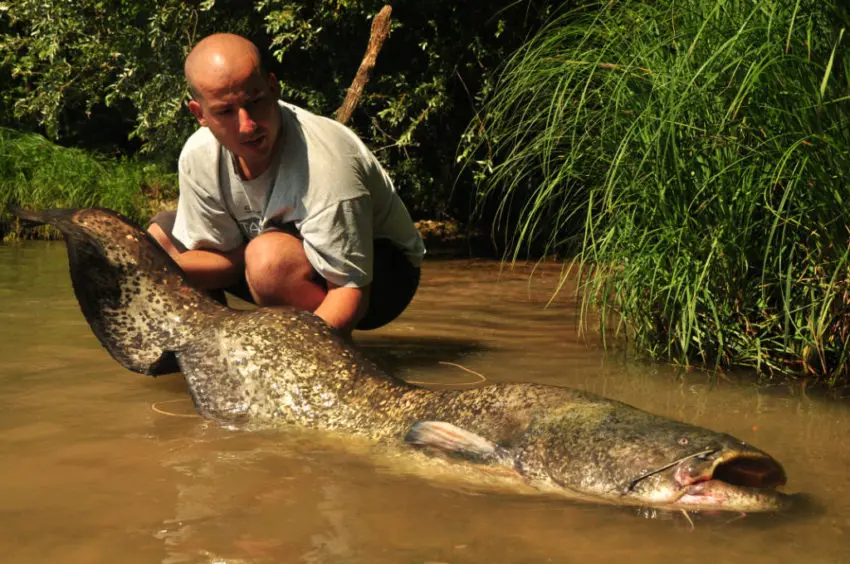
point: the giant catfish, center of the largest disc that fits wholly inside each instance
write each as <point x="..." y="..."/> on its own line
<point x="280" y="366"/>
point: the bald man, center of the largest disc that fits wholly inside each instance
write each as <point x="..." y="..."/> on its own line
<point x="281" y="206"/>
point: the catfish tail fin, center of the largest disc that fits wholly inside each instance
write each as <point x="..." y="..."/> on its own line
<point x="133" y="295"/>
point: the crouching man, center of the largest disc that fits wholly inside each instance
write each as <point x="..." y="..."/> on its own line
<point x="281" y="206"/>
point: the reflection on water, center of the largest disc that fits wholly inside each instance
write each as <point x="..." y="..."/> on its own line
<point x="91" y="473"/>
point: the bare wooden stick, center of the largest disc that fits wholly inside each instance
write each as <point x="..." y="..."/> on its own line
<point x="380" y="30"/>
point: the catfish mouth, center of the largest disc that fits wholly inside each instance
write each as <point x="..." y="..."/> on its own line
<point x="753" y="472"/>
<point x="743" y="481"/>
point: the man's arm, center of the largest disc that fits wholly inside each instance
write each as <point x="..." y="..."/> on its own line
<point x="343" y="307"/>
<point x="209" y="270"/>
<point x="338" y="243"/>
<point x="205" y="269"/>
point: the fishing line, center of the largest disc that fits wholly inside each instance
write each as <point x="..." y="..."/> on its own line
<point x="170" y="413"/>
<point x="481" y="377"/>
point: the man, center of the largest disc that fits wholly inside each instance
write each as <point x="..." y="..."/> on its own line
<point x="290" y="206"/>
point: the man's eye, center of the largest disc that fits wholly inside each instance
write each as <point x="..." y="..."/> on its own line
<point x="224" y="112"/>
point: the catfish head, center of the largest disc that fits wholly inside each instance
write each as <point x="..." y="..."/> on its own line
<point x="602" y="450"/>
<point x="614" y="451"/>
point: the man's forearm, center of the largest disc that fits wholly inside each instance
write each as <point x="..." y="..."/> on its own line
<point x="207" y="270"/>
<point x="211" y="269"/>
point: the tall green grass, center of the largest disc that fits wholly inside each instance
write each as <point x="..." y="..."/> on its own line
<point x="694" y="157"/>
<point x="37" y="174"/>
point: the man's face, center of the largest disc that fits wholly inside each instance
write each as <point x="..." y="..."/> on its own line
<point x="241" y="111"/>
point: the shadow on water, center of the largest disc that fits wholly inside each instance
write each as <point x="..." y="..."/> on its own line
<point x="394" y="354"/>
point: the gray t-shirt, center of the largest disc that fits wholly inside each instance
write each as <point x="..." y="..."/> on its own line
<point x="324" y="180"/>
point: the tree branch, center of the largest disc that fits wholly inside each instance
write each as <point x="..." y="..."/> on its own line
<point x="380" y="30"/>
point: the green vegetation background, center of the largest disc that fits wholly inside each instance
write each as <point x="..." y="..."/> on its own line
<point x="106" y="76"/>
<point x="692" y="156"/>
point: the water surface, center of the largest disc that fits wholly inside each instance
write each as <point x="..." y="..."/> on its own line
<point x="91" y="472"/>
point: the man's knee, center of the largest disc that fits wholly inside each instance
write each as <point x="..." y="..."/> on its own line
<point x="276" y="257"/>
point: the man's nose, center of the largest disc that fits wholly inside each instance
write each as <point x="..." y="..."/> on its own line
<point x="247" y="125"/>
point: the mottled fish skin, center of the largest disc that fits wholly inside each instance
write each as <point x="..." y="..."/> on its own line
<point x="132" y="294"/>
<point x="275" y="366"/>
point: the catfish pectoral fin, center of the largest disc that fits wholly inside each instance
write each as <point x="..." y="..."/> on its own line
<point x="452" y="439"/>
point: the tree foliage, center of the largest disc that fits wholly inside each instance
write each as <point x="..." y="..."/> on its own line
<point x="94" y="72"/>
<point x="107" y="74"/>
<point x="438" y="62"/>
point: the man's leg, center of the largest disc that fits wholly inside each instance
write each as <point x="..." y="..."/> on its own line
<point x="278" y="272"/>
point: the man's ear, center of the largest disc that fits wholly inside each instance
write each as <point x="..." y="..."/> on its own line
<point x="198" y="112"/>
<point x="274" y="85"/>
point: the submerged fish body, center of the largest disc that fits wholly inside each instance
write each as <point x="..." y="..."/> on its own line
<point x="274" y="366"/>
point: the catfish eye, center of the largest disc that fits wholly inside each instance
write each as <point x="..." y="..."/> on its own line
<point x="683" y="441"/>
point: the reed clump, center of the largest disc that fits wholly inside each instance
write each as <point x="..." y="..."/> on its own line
<point x="694" y="158"/>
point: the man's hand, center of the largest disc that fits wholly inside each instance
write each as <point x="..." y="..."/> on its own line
<point x="343" y="307"/>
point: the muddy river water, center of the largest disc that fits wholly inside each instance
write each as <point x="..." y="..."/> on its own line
<point x="98" y="464"/>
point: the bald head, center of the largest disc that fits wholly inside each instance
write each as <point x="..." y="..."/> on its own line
<point x="219" y="60"/>
<point x="235" y="99"/>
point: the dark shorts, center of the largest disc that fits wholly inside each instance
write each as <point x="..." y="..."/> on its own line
<point x="394" y="280"/>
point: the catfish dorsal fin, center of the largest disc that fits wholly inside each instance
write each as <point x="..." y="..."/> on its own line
<point x="455" y="440"/>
